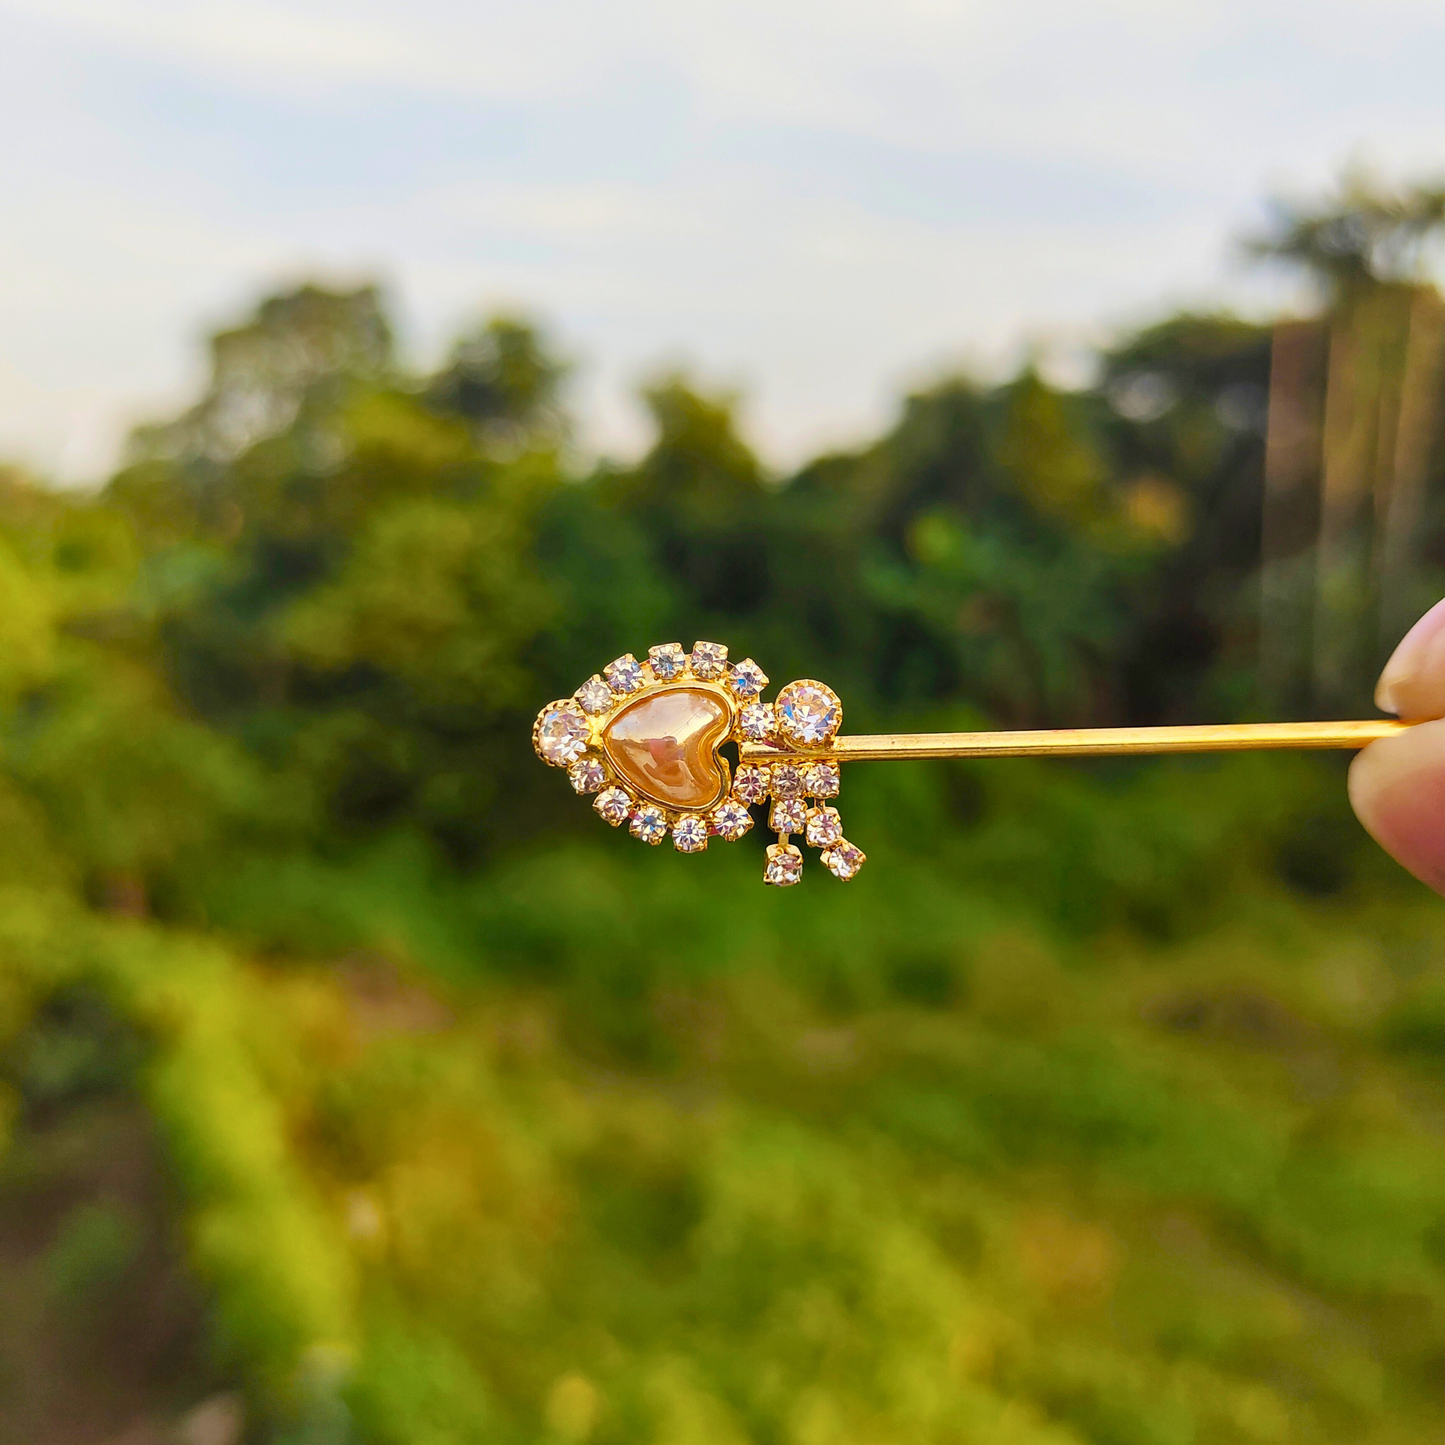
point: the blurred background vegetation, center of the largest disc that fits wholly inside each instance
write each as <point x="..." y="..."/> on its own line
<point x="356" y="1085"/>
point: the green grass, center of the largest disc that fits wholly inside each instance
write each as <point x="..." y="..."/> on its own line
<point x="1095" y="1124"/>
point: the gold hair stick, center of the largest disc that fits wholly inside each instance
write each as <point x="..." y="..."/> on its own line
<point x="1096" y="742"/>
<point x="646" y="737"/>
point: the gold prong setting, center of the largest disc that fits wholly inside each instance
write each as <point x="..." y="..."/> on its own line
<point x="821" y="780"/>
<point x="784" y="865"/>
<point x="561" y="733"/>
<point x="573" y="733"/>
<point x="595" y="696"/>
<point x="746" y="679"/>
<point x="822" y="827"/>
<point x="626" y="674"/>
<point x="750" y="783"/>
<point x="757" y="722"/>
<point x="587" y="775"/>
<point x="690" y="833"/>
<point x="615" y="805"/>
<point x="785" y="780"/>
<point x="648" y="822"/>
<point x="843" y="860"/>
<point x="708" y="660"/>
<point x="730" y="820"/>
<point x="809" y="714"/>
<point x="787" y="815"/>
<point x="668" y="661"/>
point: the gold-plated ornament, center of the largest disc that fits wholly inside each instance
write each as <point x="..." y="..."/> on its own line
<point x="646" y="737"/>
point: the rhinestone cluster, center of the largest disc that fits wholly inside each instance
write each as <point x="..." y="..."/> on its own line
<point x="797" y="790"/>
<point x="805" y="718"/>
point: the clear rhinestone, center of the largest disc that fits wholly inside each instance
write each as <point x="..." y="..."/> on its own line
<point x="587" y="775"/>
<point x="561" y="735"/>
<point x="843" y="860"/>
<point x="820" y="780"/>
<point x="731" y="820"/>
<point x="689" y="833"/>
<point x="787" y="815"/>
<point x="668" y="660"/>
<point x="808" y="713"/>
<point x="625" y="674"/>
<point x="750" y="783"/>
<point x="595" y="696"/>
<point x="784" y="865"/>
<point x="649" y="823"/>
<point x="614" y="804"/>
<point x="786" y="781"/>
<point x="825" y="827"/>
<point x="755" y="722"/>
<point x="747" y="679"/>
<point x="709" y="660"/>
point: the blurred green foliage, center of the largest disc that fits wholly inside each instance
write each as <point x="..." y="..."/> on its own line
<point x="1103" y="1107"/>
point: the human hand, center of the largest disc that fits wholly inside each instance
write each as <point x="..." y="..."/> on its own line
<point x="1397" y="785"/>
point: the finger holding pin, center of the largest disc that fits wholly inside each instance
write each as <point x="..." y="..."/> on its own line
<point x="645" y="738"/>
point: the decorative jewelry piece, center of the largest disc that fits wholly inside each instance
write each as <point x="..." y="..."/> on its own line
<point x="646" y="737"/>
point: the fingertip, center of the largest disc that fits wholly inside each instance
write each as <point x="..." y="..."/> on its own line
<point x="1397" y="789"/>
<point x="1412" y="683"/>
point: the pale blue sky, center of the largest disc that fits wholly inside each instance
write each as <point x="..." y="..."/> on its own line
<point x="815" y="200"/>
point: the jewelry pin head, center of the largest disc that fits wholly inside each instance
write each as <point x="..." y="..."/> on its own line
<point x="645" y="740"/>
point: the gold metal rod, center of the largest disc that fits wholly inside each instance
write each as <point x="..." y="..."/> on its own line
<point x="1092" y="742"/>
